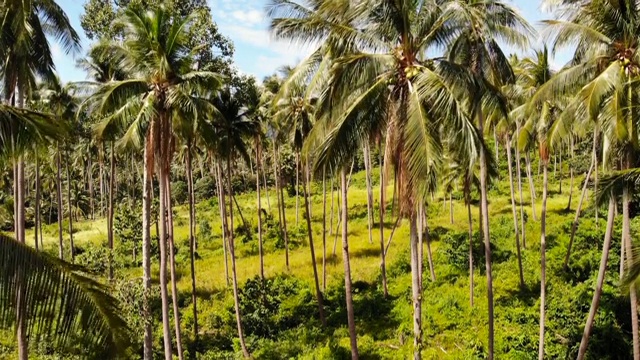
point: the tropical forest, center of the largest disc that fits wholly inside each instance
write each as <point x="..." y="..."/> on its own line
<point x="416" y="179"/>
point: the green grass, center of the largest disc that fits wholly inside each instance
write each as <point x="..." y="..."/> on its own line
<point x="452" y="329"/>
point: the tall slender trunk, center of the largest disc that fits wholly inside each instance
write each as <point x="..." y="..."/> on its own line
<point x="172" y="265"/>
<point x="324" y="229"/>
<point x="59" y="199"/>
<point x="560" y="180"/>
<point x="532" y="189"/>
<point x="416" y="293"/>
<point x="427" y="234"/>
<point x="258" y="156"/>
<point x="574" y="225"/>
<point x="146" y="256"/>
<point x="600" y="281"/>
<point x="421" y="226"/>
<point x="331" y="217"/>
<point x="450" y="208"/>
<point x="484" y="208"/>
<point x="595" y="169"/>
<point x="367" y="166"/>
<point x="568" y="208"/>
<point x="21" y="310"/>
<point x="37" y="215"/>
<point x="467" y="200"/>
<point x="112" y="180"/>
<point x="496" y="142"/>
<point x="284" y="228"/>
<point x="91" y="194"/>
<point x="626" y="240"/>
<point x="297" y="187"/>
<point x="166" y="327"/>
<point x="71" y="246"/>
<point x="543" y="259"/>
<point x="313" y="253"/>
<point x="383" y="265"/>
<point x="519" y="176"/>
<point x="192" y="240"/>
<point x="101" y="173"/>
<point x="277" y="183"/>
<point x="223" y="219"/>
<point x="234" y="274"/>
<point x="264" y="181"/>
<point x="514" y="211"/>
<point x="347" y="268"/>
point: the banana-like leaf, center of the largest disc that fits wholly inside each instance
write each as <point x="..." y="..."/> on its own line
<point x="60" y="304"/>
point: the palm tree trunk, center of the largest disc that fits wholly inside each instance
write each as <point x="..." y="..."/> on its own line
<point x="495" y="141"/>
<point x="543" y="260"/>
<point x="91" y="194"/>
<point x="514" y="211"/>
<point x="532" y="189"/>
<point x="236" y="299"/>
<point x="427" y="234"/>
<point x="71" y="246"/>
<point x="595" y="169"/>
<point x="59" y="199"/>
<point x="313" y="254"/>
<point x="331" y="217"/>
<point x="284" y="228"/>
<point x="626" y="240"/>
<point x="600" y="282"/>
<point x="451" y="207"/>
<point x="223" y="219"/>
<point x="324" y="229"/>
<point x="574" y="225"/>
<point x="383" y="265"/>
<point x="36" y="225"/>
<point x="172" y="265"/>
<point x="484" y="208"/>
<point x="102" y="185"/>
<point x="467" y="200"/>
<point x="146" y="257"/>
<point x="421" y="226"/>
<point x="264" y="181"/>
<point x="416" y="296"/>
<point x="277" y="183"/>
<point x="192" y="240"/>
<point x="166" y="327"/>
<point x="297" y="187"/>
<point x="367" y="166"/>
<point x="519" y="176"/>
<point x="258" y="156"/>
<point x="347" y="268"/>
<point x="560" y="180"/>
<point x="112" y="180"/>
<point x="571" y="176"/>
<point x="21" y="327"/>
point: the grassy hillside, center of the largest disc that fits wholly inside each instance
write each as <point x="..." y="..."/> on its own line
<point x="281" y="320"/>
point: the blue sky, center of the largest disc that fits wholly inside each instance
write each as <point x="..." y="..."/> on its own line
<point x="245" y="23"/>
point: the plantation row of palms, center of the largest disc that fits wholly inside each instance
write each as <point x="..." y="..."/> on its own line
<point x="422" y="83"/>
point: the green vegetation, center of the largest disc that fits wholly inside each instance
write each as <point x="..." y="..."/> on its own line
<point x="281" y="320"/>
<point x="179" y="209"/>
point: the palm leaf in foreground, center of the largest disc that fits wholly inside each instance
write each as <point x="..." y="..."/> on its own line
<point x="60" y="304"/>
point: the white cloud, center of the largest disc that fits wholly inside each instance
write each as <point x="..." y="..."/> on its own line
<point x="251" y="17"/>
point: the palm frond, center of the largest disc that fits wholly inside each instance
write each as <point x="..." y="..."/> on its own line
<point x="60" y="304"/>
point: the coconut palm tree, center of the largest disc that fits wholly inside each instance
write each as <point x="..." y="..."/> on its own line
<point x="475" y="47"/>
<point x="155" y="54"/>
<point x="603" y="77"/>
<point x="380" y="81"/>
<point x="62" y="102"/>
<point x="234" y="125"/>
